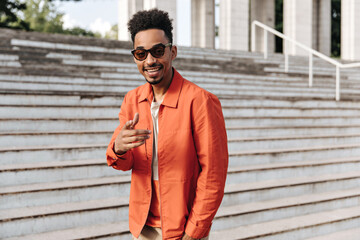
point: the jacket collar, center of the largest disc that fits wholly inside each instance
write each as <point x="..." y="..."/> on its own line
<point x="172" y="94"/>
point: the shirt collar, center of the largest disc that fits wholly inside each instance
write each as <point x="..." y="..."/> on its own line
<point x="172" y="94"/>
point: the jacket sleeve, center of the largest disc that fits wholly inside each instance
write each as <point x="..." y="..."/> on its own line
<point x="211" y="146"/>
<point x="120" y="162"/>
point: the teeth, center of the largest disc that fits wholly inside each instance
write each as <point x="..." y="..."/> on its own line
<point x="153" y="70"/>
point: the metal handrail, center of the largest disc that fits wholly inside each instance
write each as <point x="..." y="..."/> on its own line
<point x="310" y="50"/>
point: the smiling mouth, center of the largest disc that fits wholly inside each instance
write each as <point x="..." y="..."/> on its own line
<point x="151" y="70"/>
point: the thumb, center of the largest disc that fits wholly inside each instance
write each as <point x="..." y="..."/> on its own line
<point x="128" y="124"/>
<point x="135" y="120"/>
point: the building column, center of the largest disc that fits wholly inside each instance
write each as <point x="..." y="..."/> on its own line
<point x="350" y="30"/>
<point x="322" y="26"/>
<point x="234" y="25"/>
<point x="298" y="25"/>
<point x="264" y="12"/>
<point x="165" y="5"/>
<point x="203" y="23"/>
<point x="127" y="8"/>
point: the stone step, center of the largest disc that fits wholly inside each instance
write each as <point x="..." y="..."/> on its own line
<point x="274" y="142"/>
<point x="80" y="100"/>
<point x="50" y="138"/>
<point x="295" y="228"/>
<point x="263" y="211"/>
<point x="349" y="234"/>
<point x="213" y="87"/>
<point x="345" y="198"/>
<point x="238" y="139"/>
<point x="47" y="42"/>
<point x="105" y="100"/>
<point x="200" y="55"/>
<point x="245" y="192"/>
<point x="293" y="62"/>
<point x="14" y="155"/>
<point x="125" y="71"/>
<point x="291" y="120"/>
<point x="302" y="130"/>
<point x="229" y="111"/>
<point x="67" y="111"/>
<point x="219" y="93"/>
<point x="52" y="213"/>
<point x="38" y="98"/>
<point x="17" y="222"/>
<point x="331" y="69"/>
<point x="68" y="47"/>
<point x="53" y="124"/>
<point x="303" y="167"/>
<point x="129" y="71"/>
<point x="134" y="80"/>
<point x="46" y="172"/>
<point x="109" y="231"/>
<point x="20" y="112"/>
<point x="39" y="194"/>
<point x="279" y="77"/>
<point x="66" y="191"/>
<point x="241" y="124"/>
<point x="62" y="87"/>
<point x="266" y="156"/>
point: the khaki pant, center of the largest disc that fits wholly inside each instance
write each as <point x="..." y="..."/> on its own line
<point x="151" y="233"/>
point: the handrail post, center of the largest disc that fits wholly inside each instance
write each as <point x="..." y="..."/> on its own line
<point x="310" y="70"/>
<point x="286" y="58"/>
<point x="253" y="36"/>
<point x="294" y="45"/>
<point x="265" y="44"/>
<point x="337" y="83"/>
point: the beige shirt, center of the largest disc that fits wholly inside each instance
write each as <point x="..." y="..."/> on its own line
<point x="155" y="118"/>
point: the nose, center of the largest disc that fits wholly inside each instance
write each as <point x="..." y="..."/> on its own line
<point x="150" y="59"/>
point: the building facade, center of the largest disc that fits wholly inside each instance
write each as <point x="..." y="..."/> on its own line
<point x="306" y="21"/>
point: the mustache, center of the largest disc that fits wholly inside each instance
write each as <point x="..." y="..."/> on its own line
<point x="153" y="65"/>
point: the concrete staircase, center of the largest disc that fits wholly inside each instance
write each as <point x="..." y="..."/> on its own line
<point x="294" y="168"/>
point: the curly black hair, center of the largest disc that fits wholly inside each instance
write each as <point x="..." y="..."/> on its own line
<point x="150" y="19"/>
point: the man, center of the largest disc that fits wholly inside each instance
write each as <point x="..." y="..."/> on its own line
<point x="172" y="136"/>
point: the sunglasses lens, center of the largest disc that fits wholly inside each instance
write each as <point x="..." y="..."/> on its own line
<point x="157" y="51"/>
<point x="140" y="54"/>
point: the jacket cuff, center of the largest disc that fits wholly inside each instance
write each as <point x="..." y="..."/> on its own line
<point x="196" y="232"/>
<point x="112" y="157"/>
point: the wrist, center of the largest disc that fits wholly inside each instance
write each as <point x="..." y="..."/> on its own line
<point x="117" y="151"/>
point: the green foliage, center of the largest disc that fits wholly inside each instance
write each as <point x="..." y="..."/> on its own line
<point x="37" y="15"/>
<point x="112" y="33"/>
<point x="335" y="27"/>
<point x="78" y="31"/>
<point x="43" y="17"/>
<point x="9" y="14"/>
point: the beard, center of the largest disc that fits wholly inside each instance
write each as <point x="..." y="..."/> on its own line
<point x="155" y="82"/>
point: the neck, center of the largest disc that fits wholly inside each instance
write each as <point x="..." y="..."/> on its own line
<point x="160" y="89"/>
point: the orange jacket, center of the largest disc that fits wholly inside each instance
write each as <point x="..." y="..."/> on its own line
<point x="192" y="158"/>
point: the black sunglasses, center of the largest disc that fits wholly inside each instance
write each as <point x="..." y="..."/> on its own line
<point x="156" y="51"/>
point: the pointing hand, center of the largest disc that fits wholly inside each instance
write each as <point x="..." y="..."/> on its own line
<point x="129" y="137"/>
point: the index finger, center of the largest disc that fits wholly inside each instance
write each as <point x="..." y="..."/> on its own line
<point x="135" y="132"/>
<point x="135" y="120"/>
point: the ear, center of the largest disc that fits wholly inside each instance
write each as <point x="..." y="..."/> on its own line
<point x="173" y="52"/>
